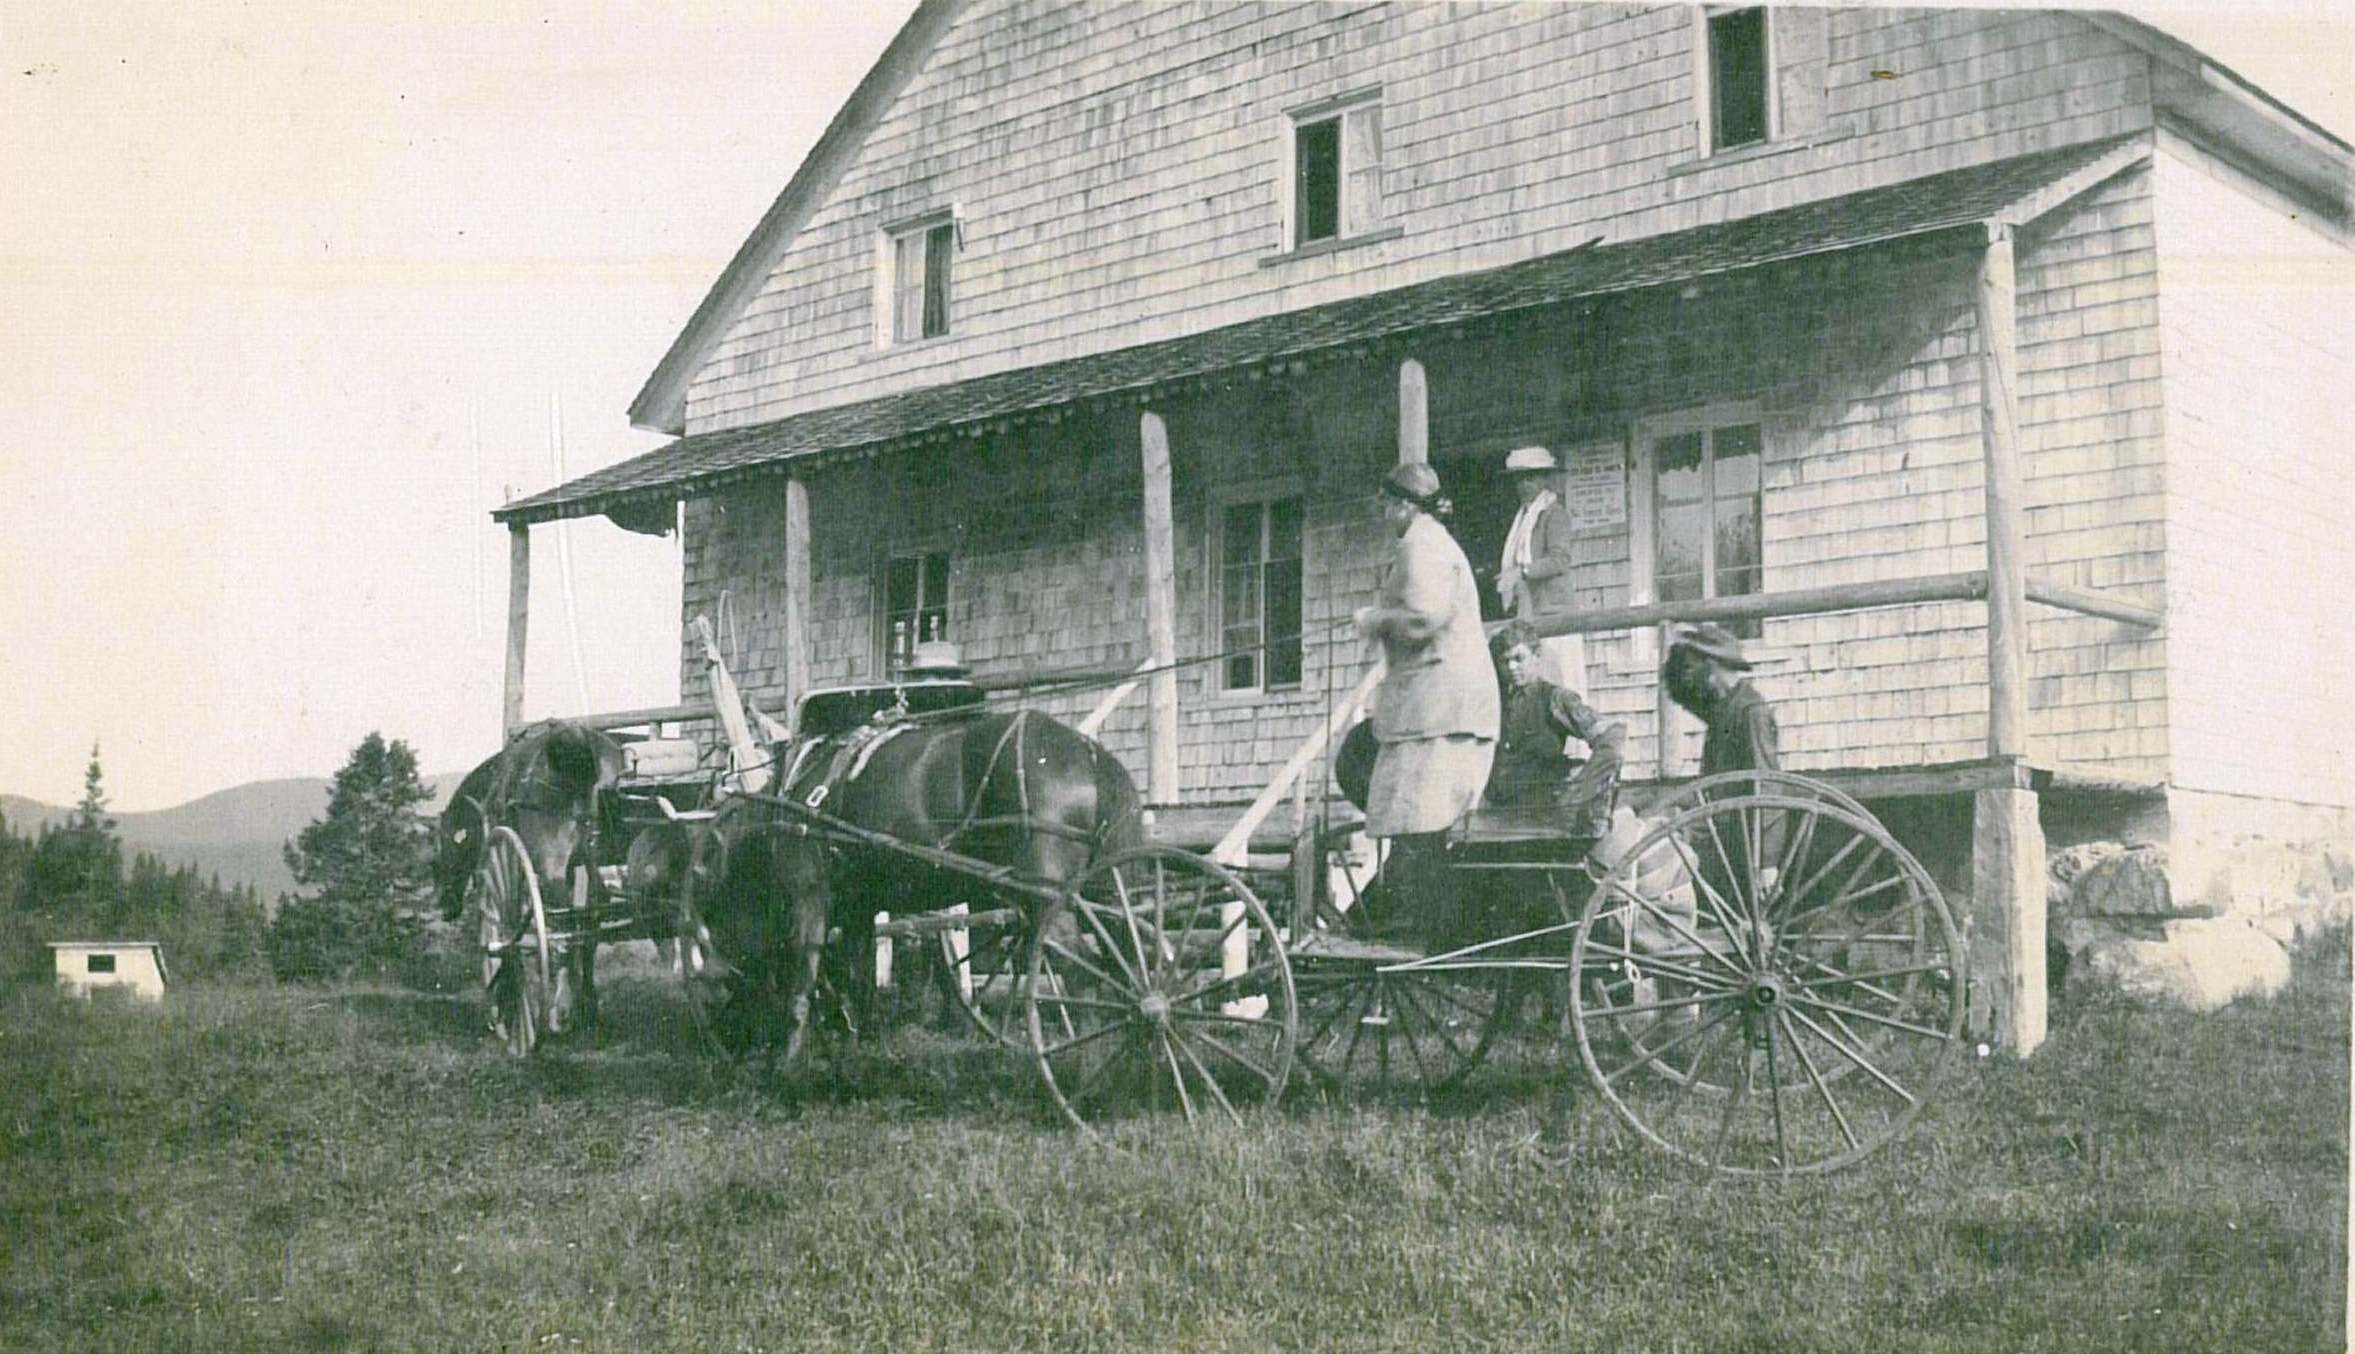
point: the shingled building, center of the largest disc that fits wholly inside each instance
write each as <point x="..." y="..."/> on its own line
<point x="1980" y="365"/>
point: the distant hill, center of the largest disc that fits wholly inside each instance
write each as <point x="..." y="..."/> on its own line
<point x="239" y="833"/>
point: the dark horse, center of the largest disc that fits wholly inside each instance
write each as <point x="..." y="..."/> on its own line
<point x="544" y="786"/>
<point x="1019" y="790"/>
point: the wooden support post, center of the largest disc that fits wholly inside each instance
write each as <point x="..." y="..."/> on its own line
<point x="2007" y="1000"/>
<point x="797" y="595"/>
<point x="519" y="608"/>
<point x="1414" y="413"/>
<point x="1161" y="765"/>
<point x="2007" y="548"/>
<point x="2007" y="842"/>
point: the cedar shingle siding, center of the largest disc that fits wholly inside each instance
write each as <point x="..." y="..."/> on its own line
<point x="1118" y="171"/>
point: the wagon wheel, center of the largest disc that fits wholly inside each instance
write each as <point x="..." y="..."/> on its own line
<point x="984" y="964"/>
<point x="516" y="956"/>
<point x="1133" y="995"/>
<point x="1417" y="1030"/>
<point x="1734" y="784"/>
<point x="1787" y="1004"/>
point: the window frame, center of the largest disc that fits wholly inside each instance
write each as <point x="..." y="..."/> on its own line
<point x="887" y="665"/>
<point x="101" y="963"/>
<point x="1643" y="508"/>
<point x="888" y="240"/>
<point x="1264" y="493"/>
<point x="1705" y="79"/>
<point x="1338" y="111"/>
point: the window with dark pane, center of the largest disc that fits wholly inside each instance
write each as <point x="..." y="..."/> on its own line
<point x="1316" y="192"/>
<point x="1737" y="78"/>
<point x="102" y="963"/>
<point x="915" y="604"/>
<point x="920" y="282"/>
<point x="1260" y="594"/>
<point x="939" y="244"/>
<point x="1705" y="533"/>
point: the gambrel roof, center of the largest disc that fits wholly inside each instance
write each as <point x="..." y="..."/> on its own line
<point x="638" y="492"/>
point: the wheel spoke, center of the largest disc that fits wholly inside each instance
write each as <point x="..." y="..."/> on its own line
<point x="1807" y="1060"/>
<point x="1229" y="1051"/>
<point x="1795" y="845"/>
<point x="1095" y="1075"/>
<point x="1177" y="1074"/>
<point x="1824" y="871"/>
<point x="1673" y="924"/>
<point x="1665" y="1004"/>
<point x="1083" y="1003"/>
<point x="1651" y="1056"/>
<point x="1209" y="1081"/>
<point x="1891" y="1022"/>
<point x="1855" y="1056"/>
<point x="1663" y="968"/>
<point x="1704" y="891"/>
<point x="1774" y="1092"/>
<point x="1733" y="1103"/>
<point x="1265" y="968"/>
<point x="1116" y="984"/>
<point x="1081" y="1040"/>
<point x="1128" y="917"/>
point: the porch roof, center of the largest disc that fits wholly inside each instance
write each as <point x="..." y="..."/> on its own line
<point x="637" y="493"/>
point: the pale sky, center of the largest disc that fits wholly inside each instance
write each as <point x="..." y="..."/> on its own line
<point x="272" y="272"/>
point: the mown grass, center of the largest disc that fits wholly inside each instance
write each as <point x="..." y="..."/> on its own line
<point x="365" y="1170"/>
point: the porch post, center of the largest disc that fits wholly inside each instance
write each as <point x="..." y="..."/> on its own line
<point x="2007" y="841"/>
<point x="1414" y="413"/>
<point x="797" y="593"/>
<point x="2007" y="582"/>
<point x="1161" y="763"/>
<point x="519" y="607"/>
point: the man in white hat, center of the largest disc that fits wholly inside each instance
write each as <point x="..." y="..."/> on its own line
<point x="1533" y="578"/>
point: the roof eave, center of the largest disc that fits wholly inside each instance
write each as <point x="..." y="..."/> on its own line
<point x="661" y="403"/>
<point x="2235" y="114"/>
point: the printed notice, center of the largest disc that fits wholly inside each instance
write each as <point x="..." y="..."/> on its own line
<point x="1594" y="487"/>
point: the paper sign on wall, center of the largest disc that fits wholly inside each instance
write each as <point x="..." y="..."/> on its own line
<point x="1594" y="486"/>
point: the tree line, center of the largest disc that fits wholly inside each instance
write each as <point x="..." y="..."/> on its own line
<point x="363" y="869"/>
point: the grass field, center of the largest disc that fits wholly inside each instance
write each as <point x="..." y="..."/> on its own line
<point x="291" y="1169"/>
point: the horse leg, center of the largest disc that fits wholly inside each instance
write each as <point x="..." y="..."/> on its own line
<point x="589" y="990"/>
<point x="812" y="908"/>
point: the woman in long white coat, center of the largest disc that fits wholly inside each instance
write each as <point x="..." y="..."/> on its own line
<point x="1435" y="712"/>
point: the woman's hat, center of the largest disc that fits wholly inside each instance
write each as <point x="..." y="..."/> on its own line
<point x="1715" y="643"/>
<point x="1530" y="461"/>
<point x="936" y="658"/>
<point x="1413" y="481"/>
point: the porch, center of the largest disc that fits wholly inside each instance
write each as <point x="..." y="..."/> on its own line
<point x="1943" y="353"/>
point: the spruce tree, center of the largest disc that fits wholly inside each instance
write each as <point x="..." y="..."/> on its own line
<point x="365" y="866"/>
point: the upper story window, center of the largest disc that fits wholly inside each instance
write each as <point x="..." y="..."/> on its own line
<point x="102" y="963"/>
<point x="1259" y="593"/>
<point x="1758" y="75"/>
<point x="913" y="279"/>
<point x="915" y="604"/>
<point x="1738" y="105"/>
<point x="1334" y="178"/>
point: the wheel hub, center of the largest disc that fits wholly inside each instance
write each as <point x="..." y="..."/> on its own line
<point x="1155" y="1008"/>
<point x="1765" y="993"/>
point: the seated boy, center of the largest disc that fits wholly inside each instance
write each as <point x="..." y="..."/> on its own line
<point x="1532" y="767"/>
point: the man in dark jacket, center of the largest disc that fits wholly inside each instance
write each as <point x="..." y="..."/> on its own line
<point x="1701" y="673"/>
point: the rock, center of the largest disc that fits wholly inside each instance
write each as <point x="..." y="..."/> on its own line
<point x="2131" y="883"/>
<point x="2202" y="963"/>
<point x="2071" y="862"/>
<point x="2256" y="877"/>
